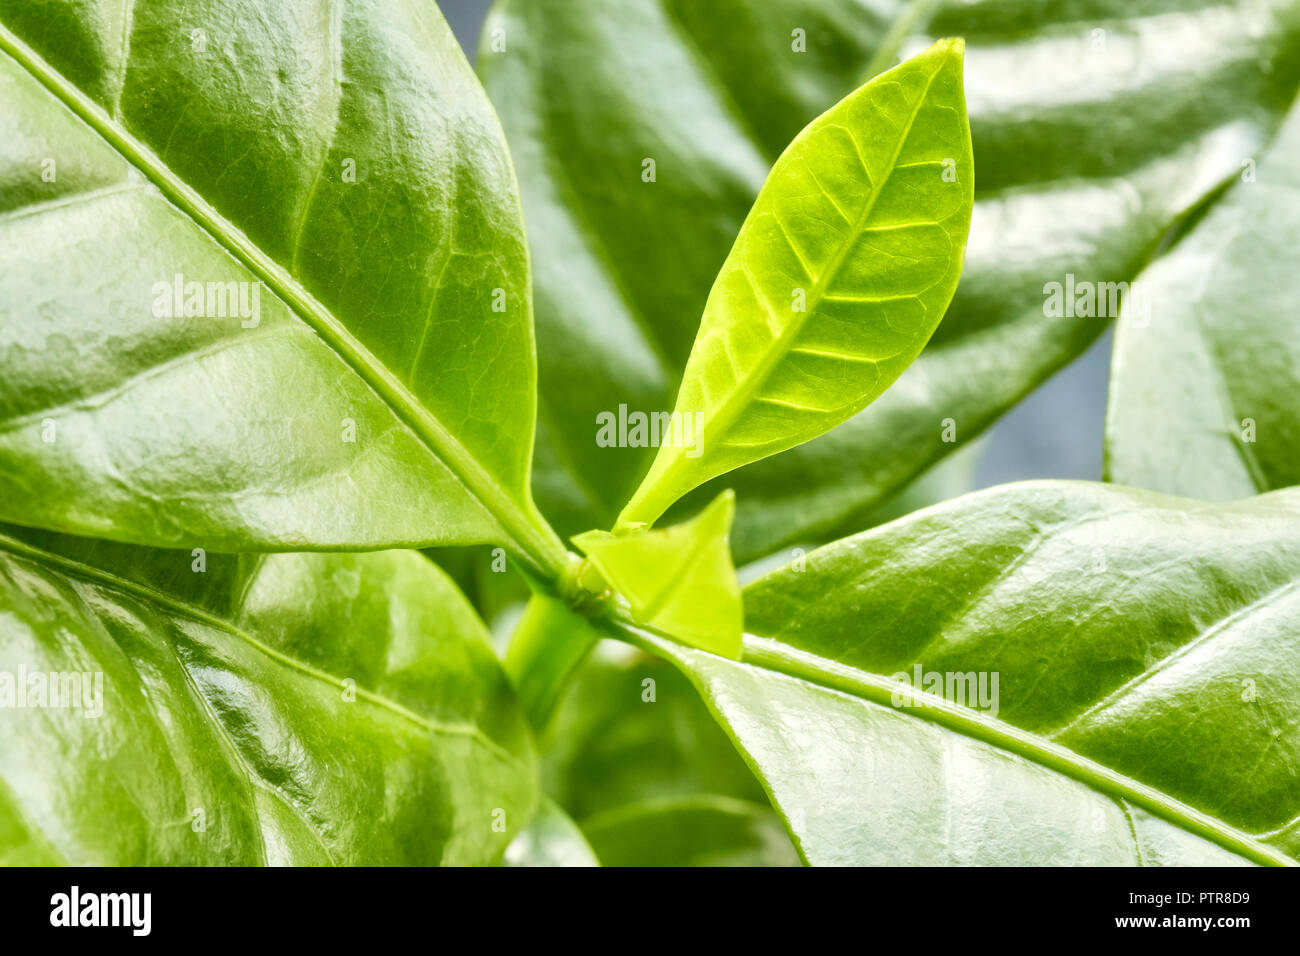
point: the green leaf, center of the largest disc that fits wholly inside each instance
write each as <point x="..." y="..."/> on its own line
<point x="697" y="831"/>
<point x="343" y="169"/>
<point x="295" y="708"/>
<point x="838" y="277"/>
<point x="678" y="580"/>
<point x="551" y="839"/>
<point x="1097" y="125"/>
<point x="1205" y="381"/>
<point x="640" y="763"/>
<point x="633" y="730"/>
<point x="1161" y="726"/>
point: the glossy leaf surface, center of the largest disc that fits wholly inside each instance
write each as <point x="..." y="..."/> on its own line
<point x="1205" y="380"/>
<point x="839" y="275"/>
<point x="1095" y="125"/>
<point x="1159" y="726"/>
<point x="289" y="709"/>
<point x="264" y="281"/>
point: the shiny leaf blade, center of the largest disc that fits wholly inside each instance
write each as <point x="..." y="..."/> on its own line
<point x="861" y="784"/>
<point x="246" y="283"/>
<point x="295" y="709"/>
<point x="838" y="277"/>
<point x="1159" y="727"/>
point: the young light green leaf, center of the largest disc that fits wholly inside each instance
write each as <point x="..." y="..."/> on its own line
<point x="908" y="695"/>
<point x="1205" y="376"/>
<point x="1085" y="163"/>
<point x="679" y="580"/>
<point x="296" y="709"/>
<point x="274" y="298"/>
<point x="838" y="277"/>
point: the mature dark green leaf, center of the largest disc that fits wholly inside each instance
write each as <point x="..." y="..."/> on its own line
<point x="1096" y="125"/>
<point x="292" y="708"/>
<point x="263" y="278"/>
<point x="840" y="274"/>
<point x="1147" y="703"/>
<point x="551" y="839"/>
<point x="694" y="831"/>
<point x="1205" y="382"/>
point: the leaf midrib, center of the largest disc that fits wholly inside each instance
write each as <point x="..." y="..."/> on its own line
<point x="780" y="658"/>
<point x="762" y="370"/>
<point x="532" y="538"/>
<point x="776" y="656"/>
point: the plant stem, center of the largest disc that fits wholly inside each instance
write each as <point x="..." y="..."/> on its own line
<point x="548" y="644"/>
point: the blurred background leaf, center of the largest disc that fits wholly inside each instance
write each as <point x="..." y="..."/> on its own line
<point x="1205" y="387"/>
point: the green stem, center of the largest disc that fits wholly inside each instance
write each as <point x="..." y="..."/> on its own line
<point x="548" y="644"/>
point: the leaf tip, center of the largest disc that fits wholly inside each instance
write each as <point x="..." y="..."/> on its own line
<point x="952" y="47"/>
<point x="724" y="503"/>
